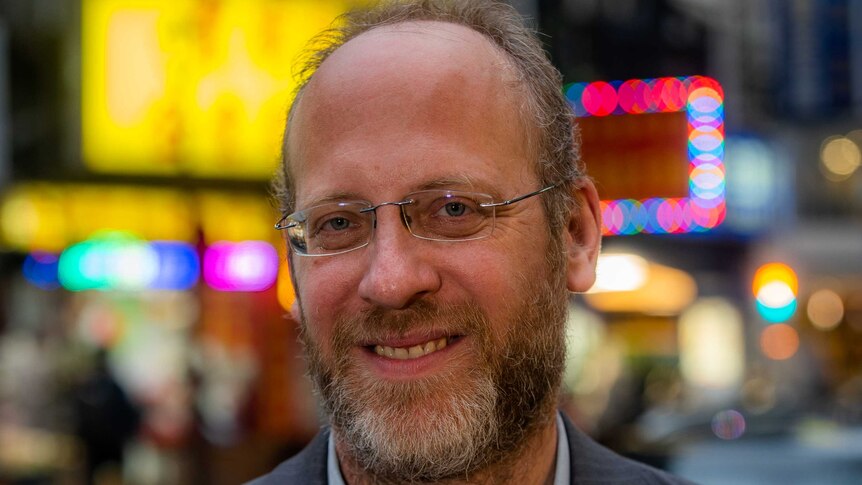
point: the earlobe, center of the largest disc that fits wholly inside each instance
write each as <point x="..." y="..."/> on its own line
<point x="583" y="238"/>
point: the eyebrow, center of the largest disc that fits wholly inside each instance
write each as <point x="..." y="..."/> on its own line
<point x="460" y="182"/>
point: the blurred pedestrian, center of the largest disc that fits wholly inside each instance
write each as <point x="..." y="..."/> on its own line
<point x="106" y="420"/>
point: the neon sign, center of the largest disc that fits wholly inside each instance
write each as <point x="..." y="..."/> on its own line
<point x="701" y="99"/>
<point x="194" y="87"/>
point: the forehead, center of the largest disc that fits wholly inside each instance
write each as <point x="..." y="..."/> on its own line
<point x="407" y="102"/>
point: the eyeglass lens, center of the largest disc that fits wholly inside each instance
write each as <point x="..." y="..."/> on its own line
<point x="440" y="215"/>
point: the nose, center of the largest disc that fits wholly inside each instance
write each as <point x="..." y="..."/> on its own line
<point x="398" y="271"/>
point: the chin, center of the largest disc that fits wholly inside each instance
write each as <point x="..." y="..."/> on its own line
<point x="432" y="428"/>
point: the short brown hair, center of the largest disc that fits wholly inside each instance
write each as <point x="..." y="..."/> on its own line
<point x="556" y="142"/>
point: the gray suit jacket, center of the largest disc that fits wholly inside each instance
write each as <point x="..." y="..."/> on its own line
<point x="591" y="464"/>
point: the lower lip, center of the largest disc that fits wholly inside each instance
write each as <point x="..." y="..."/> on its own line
<point x="407" y="369"/>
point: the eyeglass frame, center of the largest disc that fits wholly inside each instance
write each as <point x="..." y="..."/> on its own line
<point x="373" y="209"/>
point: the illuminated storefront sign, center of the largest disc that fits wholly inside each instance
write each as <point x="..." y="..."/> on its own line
<point x="44" y="216"/>
<point x="191" y="87"/>
<point x="666" y="183"/>
<point x="141" y="238"/>
<point x="243" y="266"/>
<point x="50" y="217"/>
<point x="122" y="262"/>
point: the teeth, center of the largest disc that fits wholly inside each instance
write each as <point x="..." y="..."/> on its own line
<point x="402" y="353"/>
<point x="416" y="351"/>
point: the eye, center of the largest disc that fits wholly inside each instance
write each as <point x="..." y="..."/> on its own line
<point x="333" y="222"/>
<point x="337" y="223"/>
<point x="455" y="209"/>
<point x="452" y="207"/>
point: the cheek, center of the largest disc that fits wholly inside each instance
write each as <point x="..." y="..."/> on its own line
<point x="493" y="282"/>
<point x="325" y="292"/>
<point x="500" y="281"/>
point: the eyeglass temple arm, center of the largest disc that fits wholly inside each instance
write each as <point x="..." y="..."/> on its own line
<point x="519" y="198"/>
<point x="281" y="225"/>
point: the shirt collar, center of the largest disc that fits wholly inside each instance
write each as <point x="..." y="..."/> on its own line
<point x="562" y="473"/>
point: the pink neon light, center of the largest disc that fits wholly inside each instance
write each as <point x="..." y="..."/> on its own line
<point x="634" y="97"/>
<point x="241" y="266"/>
<point x="600" y="98"/>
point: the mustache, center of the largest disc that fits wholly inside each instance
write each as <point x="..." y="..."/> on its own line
<point x="422" y="318"/>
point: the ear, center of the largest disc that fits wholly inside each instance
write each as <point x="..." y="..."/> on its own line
<point x="583" y="238"/>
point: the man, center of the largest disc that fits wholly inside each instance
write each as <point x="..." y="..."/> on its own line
<point x="436" y="216"/>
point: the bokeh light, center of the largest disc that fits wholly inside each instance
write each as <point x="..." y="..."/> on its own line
<point x="620" y="272"/>
<point x="600" y="98"/>
<point x="728" y="424"/>
<point x="284" y="286"/>
<point x="122" y="262"/>
<point x="775" y="287"/>
<point x="634" y="96"/>
<point x="825" y="309"/>
<point x="112" y="262"/>
<point x="779" y="341"/>
<point x="703" y="101"/>
<point x="242" y="266"/>
<point x="839" y="158"/>
<point x="711" y="344"/>
<point x="776" y="314"/>
<point x="178" y="265"/>
<point x="772" y="272"/>
<point x="40" y="270"/>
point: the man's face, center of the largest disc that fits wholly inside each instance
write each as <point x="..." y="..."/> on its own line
<point x="426" y="352"/>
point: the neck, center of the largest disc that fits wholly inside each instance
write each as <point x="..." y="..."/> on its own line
<point x="532" y="463"/>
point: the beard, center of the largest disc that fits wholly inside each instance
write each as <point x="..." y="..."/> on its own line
<point x="457" y="421"/>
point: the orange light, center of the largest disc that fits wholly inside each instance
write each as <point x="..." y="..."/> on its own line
<point x="779" y="341"/>
<point x="772" y="273"/>
<point x="284" y="286"/>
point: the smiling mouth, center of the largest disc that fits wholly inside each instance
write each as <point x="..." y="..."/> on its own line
<point x="415" y="351"/>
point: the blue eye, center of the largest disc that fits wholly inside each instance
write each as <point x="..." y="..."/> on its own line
<point x="455" y="209"/>
<point x="338" y="223"/>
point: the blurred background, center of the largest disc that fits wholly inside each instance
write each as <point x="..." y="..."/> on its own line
<point x="143" y="330"/>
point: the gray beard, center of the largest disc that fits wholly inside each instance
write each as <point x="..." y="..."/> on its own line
<point x="455" y="423"/>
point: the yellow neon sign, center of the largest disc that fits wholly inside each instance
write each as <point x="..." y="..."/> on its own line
<point x="191" y="87"/>
<point x="43" y="216"/>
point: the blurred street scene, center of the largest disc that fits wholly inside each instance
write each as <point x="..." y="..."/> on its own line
<point x="144" y="328"/>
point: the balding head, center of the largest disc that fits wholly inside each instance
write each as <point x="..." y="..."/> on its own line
<point x="541" y="104"/>
<point x="439" y="80"/>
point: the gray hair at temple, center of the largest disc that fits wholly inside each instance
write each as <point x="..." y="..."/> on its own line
<point x="553" y="137"/>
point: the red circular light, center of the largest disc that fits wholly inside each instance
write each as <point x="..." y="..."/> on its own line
<point x="696" y="82"/>
<point x="632" y="96"/>
<point x="673" y="95"/>
<point x="599" y="98"/>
